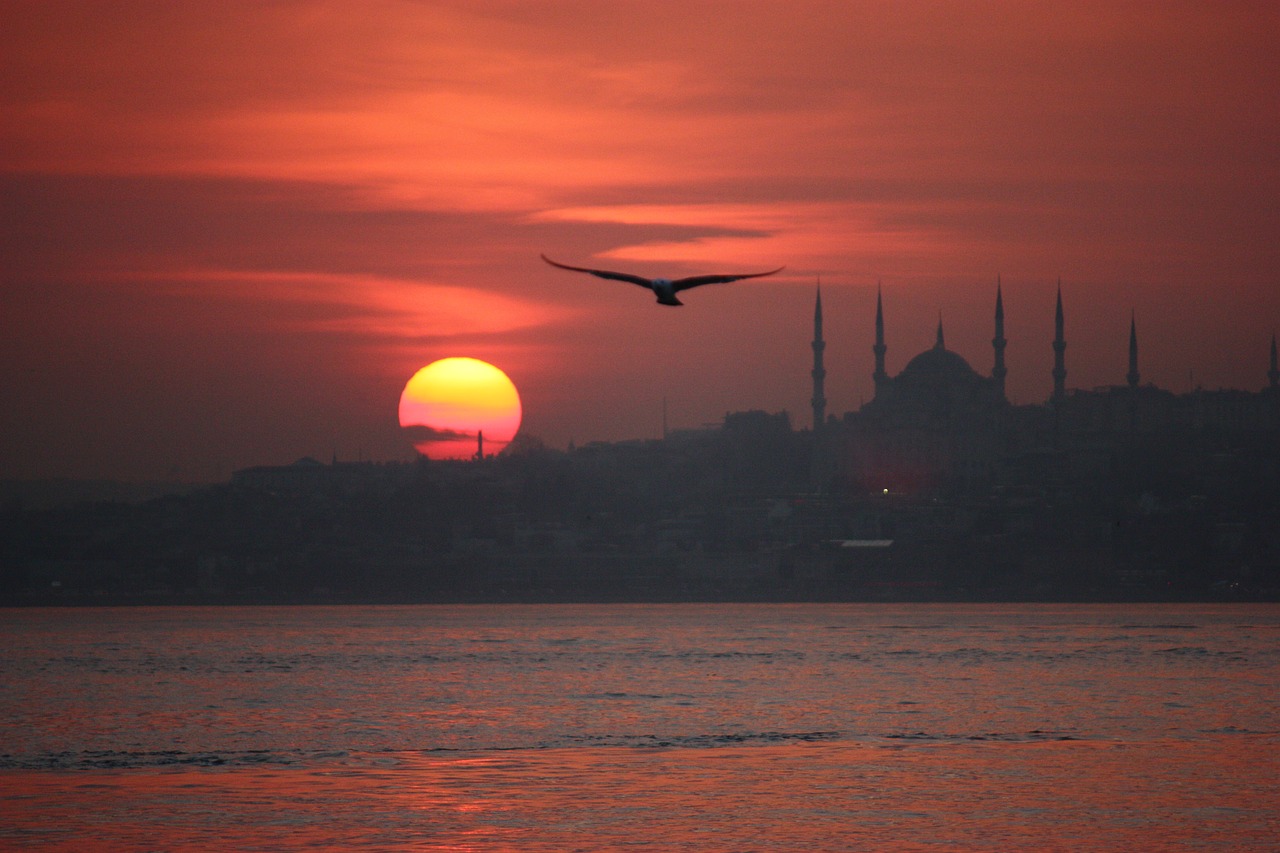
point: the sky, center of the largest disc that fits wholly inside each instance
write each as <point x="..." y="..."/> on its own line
<point x="232" y="232"/>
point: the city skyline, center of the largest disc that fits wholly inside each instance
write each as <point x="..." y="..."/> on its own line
<point x="231" y="235"/>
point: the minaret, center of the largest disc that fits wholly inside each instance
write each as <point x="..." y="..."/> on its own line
<point x="1133" y="352"/>
<point x="819" y="373"/>
<point x="998" y="370"/>
<point x="880" y="377"/>
<point x="480" y="445"/>
<point x="1274" y="373"/>
<point x="1059" y="352"/>
<point x="939" y="344"/>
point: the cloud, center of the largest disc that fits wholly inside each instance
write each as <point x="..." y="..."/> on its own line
<point x="421" y="432"/>
<point x="385" y="308"/>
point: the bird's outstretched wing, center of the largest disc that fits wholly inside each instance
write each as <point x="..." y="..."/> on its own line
<point x="696" y="280"/>
<point x="615" y="276"/>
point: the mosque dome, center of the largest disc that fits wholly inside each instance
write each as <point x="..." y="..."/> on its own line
<point x="937" y="365"/>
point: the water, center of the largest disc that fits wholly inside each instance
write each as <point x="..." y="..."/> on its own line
<point x="674" y="727"/>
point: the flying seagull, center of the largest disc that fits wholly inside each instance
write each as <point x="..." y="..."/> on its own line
<point x="664" y="288"/>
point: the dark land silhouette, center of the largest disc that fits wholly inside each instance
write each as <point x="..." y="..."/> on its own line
<point x="708" y="515"/>
<point x="936" y="489"/>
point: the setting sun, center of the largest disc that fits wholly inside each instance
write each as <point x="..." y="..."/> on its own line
<point x="449" y="404"/>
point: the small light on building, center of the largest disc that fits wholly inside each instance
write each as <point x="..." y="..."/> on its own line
<point x="886" y="491"/>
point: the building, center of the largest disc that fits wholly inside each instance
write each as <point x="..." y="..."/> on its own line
<point x="941" y="427"/>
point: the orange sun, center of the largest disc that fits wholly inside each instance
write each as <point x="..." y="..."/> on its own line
<point x="449" y="405"/>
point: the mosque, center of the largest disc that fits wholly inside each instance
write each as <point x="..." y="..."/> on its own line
<point x="939" y="426"/>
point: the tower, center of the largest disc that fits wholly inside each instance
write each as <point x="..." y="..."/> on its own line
<point x="939" y="343"/>
<point x="880" y="377"/>
<point x="1133" y="375"/>
<point x="998" y="371"/>
<point x="819" y="373"/>
<point x="1273" y="375"/>
<point x="1059" y="352"/>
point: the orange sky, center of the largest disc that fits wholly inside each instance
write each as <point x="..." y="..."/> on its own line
<point x="232" y="232"/>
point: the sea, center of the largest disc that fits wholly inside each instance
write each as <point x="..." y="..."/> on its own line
<point x="674" y="727"/>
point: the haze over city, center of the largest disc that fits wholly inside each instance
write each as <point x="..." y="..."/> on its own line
<point x="231" y="233"/>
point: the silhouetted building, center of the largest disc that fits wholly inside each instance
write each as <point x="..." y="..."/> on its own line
<point x="936" y="425"/>
<point x="941" y="427"/>
<point x="819" y="373"/>
<point x="1059" y="351"/>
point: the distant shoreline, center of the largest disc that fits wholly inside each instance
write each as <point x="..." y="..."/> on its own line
<point x="68" y="602"/>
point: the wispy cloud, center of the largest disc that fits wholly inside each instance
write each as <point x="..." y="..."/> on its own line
<point x="421" y="432"/>
<point x="378" y="307"/>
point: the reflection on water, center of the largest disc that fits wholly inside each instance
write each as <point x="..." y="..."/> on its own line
<point x="718" y="727"/>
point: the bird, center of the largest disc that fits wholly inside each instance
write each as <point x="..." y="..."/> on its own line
<point x="664" y="288"/>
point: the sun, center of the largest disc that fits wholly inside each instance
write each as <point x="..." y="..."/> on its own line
<point x="455" y="406"/>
